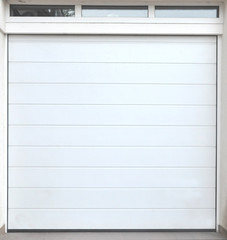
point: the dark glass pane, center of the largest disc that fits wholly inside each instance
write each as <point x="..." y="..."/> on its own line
<point x="42" y="11"/>
<point x="115" y="11"/>
<point x="186" y="12"/>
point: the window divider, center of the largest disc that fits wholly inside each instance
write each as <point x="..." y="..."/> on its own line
<point x="78" y="11"/>
<point x="151" y="10"/>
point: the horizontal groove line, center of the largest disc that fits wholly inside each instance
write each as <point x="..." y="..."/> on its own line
<point x="110" y="39"/>
<point x="76" y="147"/>
<point x="110" y="188"/>
<point x="63" y="146"/>
<point x="150" y="63"/>
<point x="69" y="125"/>
<point x="118" y="105"/>
<point x="111" y="209"/>
<point x="12" y="21"/>
<point x="159" y="84"/>
<point x="110" y="167"/>
<point x="115" y="167"/>
<point x="119" y="39"/>
<point x="68" y="104"/>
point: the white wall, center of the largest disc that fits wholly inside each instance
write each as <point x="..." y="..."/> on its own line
<point x="2" y="121"/>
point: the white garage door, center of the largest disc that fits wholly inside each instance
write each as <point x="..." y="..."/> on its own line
<point x="112" y="132"/>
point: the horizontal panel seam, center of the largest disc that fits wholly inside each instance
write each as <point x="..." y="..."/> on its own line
<point x="78" y="125"/>
<point x="100" y="146"/>
<point x="133" y="209"/>
<point x="111" y="188"/>
<point x="129" y="40"/>
<point x="110" y="83"/>
<point x="71" y="104"/>
<point x="112" y="208"/>
<point x="113" y="147"/>
<point x="117" y="126"/>
<point x="18" y="42"/>
<point x="109" y="62"/>
<point x="111" y="167"/>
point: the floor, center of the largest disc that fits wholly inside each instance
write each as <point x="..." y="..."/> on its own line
<point x="115" y="236"/>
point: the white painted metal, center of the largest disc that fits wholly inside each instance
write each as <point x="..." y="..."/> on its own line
<point x="165" y="50"/>
<point x="112" y="94"/>
<point x="116" y="115"/>
<point x="111" y="177"/>
<point x="116" y="28"/>
<point x="219" y="130"/>
<point x="198" y="157"/>
<point x="114" y="218"/>
<point x="113" y="73"/>
<point x="136" y="149"/>
<point x="186" y="198"/>
<point x="112" y="136"/>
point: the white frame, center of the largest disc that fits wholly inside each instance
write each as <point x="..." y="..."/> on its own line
<point x="132" y="26"/>
<point x="79" y="19"/>
<point x="4" y="112"/>
<point x="123" y="26"/>
<point x="218" y="147"/>
<point x="218" y="133"/>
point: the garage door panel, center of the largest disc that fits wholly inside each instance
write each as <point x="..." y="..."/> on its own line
<point x="112" y="157"/>
<point x="114" y="219"/>
<point x="111" y="115"/>
<point x="111" y="94"/>
<point x="117" y="177"/>
<point x="112" y="132"/>
<point x="112" y="73"/>
<point x="157" y="52"/>
<point x="112" y="136"/>
<point x="201" y="198"/>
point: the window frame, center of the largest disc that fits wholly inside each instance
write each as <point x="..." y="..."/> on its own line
<point x="149" y="20"/>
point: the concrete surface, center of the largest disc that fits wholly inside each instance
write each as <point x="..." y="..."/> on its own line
<point x="115" y="236"/>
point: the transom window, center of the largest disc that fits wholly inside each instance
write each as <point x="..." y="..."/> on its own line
<point x="42" y="10"/>
<point x="186" y="12"/>
<point x="114" y="11"/>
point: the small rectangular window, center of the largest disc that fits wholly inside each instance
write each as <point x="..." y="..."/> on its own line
<point x="42" y="10"/>
<point x="186" y="12"/>
<point x="115" y="11"/>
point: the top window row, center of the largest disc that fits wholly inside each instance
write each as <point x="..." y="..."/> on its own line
<point x="114" y="11"/>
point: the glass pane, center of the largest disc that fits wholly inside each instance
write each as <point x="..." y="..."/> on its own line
<point x="186" y="12"/>
<point x="42" y="11"/>
<point x="115" y="11"/>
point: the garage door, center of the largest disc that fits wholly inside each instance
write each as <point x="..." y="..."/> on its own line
<point x="112" y="132"/>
